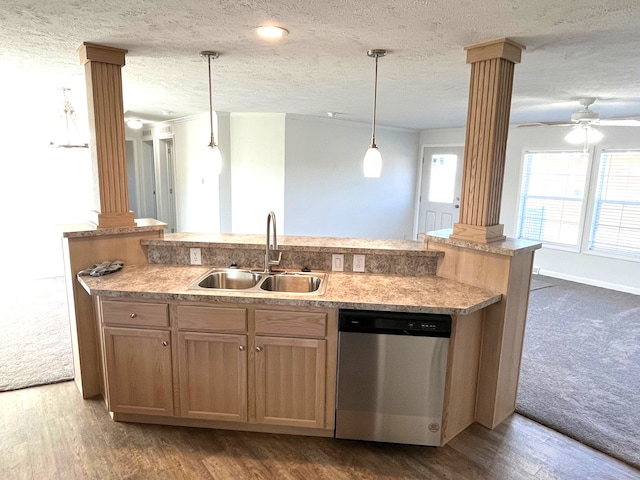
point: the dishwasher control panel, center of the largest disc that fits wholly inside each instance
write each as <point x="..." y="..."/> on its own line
<point x="395" y="323"/>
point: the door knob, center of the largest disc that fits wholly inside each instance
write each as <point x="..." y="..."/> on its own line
<point x="258" y="349"/>
<point x="165" y="343"/>
<point x="133" y="315"/>
<point x="241" y="348"/>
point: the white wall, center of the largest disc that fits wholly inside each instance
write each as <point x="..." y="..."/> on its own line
<point x="257" y="170"/>
<point x="196" y="185"/>
<point x="326" y="193"/>
<point x="587" y="268"/>
<point x="42" y="187"/>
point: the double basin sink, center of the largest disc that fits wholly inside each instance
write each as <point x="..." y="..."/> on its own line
<point x="256" y="281"/>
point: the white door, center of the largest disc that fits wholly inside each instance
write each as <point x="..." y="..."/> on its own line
<point x="147" y="185"/>
<point x="132" y="177"/>
<point x="165" y="185"/>
<point x="440" y="188"/>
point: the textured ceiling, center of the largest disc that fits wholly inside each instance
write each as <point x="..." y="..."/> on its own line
<point x="575" y="48"/>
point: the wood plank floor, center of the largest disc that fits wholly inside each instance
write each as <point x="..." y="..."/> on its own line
<point x="49" y="432"/>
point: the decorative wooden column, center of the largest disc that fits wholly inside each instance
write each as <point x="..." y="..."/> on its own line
<point x="103" y="75"/>
<point x="492" y="66"/>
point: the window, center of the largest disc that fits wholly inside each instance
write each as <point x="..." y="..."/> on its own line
<point x="615" y="226"/>
<point x="552" y="198"/>
<point x="443" y="178"/>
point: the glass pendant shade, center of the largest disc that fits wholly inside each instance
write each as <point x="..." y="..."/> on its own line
<point x="583" y="135"/>
<point x="214" y="158"/>
<point x="372" y="164"/>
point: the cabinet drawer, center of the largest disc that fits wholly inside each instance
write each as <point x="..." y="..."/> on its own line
<point x="212" y="319"/>
<point x="281" y="322"/>
<point x="135" y="314"/>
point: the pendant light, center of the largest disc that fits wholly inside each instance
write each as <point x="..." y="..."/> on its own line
<point x="372" y="164"/>
<point x="213" y="152"/>
<point x="69" y="134"/>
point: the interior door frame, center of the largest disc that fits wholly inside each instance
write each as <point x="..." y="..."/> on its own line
<point x="163" y="184"/>
<point x="416" y="210"/>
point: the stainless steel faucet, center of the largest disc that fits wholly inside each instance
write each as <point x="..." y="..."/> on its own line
<point x="271" y="247"/>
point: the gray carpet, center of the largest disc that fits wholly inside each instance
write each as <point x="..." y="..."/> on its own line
<point x="580" y="370"/>
<point x="35" y="340"/>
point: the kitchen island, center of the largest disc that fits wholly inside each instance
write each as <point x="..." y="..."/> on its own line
<point x="264" y="361"/>
<point x="225" y="359"/>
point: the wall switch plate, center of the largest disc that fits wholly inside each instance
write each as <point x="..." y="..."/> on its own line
<point x="195" y="256"/>
<point x="337" y="262"/>
<point x="358" y="263"/>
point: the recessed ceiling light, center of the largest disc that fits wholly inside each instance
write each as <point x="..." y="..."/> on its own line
<point x="272" y="32"/>
<point x="134" y="123"/>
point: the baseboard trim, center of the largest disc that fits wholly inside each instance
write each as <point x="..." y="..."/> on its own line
<point x="590" y="281"/>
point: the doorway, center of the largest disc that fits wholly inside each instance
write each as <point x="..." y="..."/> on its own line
<point x="165" y="187"/>
<point x="440" y="187"/>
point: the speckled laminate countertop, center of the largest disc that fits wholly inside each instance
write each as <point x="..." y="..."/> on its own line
<point x="428" y="294"/>
<point x="299" y="243"/>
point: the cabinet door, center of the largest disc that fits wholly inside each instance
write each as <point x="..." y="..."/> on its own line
<point x="213" y="376"/>
<point x="139" y="374"/>
<point x="290" y="381"/>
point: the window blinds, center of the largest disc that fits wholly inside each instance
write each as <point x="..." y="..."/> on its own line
<point x="552" y="197"/>
<point x="615" y="225"/>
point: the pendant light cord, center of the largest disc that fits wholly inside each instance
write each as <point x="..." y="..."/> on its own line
<point x="212" y="145"/>
<point x="375" y="102"/>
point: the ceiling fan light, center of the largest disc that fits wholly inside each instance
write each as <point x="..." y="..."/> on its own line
<point x="593" y="135"/>
<point x="582" y="134"/>
<point x="134" y="124"/>
<point x="372" y="164"/>
<point x="576" y="136"/>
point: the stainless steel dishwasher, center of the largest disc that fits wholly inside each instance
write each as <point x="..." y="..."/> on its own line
<point x="391" y="376"/>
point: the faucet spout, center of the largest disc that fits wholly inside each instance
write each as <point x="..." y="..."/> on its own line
<point x="271" y="246"/>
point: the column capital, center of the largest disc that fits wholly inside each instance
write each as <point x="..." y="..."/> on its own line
<point x="92" y="52"/>
<point x="504" y="48"/>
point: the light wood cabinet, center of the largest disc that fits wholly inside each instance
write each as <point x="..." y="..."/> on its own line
<point x="212" y="362"/>
<point x="220" y="365"/>
<point x="213" y="376"/>
<point x="290" y="381"/>
<point x="138" y="371"/>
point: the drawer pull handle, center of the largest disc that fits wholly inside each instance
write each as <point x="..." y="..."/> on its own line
<point x="165" y="343"/>
<point x="258" y="349"/>
<point x="133" y="315"/>
<point x="242" y="348"/>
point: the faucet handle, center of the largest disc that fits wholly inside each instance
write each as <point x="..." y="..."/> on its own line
<point x="276" y="262"/>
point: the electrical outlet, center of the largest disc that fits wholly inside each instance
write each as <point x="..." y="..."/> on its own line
<point x="337" y="262"/>
<point x="195" y="255"/>
<point x="358" y="263"/>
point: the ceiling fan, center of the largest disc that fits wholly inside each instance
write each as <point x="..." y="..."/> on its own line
<point x="587" y="117"/>
<point x="583" y="123"/>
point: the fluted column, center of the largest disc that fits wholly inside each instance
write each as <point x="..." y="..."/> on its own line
<point x="103" y="76"/>
<point x="492" y="67"/>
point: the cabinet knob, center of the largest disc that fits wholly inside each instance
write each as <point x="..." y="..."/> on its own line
<point x="133" y="315"/>
<point x="165" y="343"/>
<point x="258" y="349"/>
<point x="241" y="348"/>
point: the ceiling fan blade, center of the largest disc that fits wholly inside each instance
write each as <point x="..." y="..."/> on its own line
<point x="546" y="124"/>
<point x="619" y="123"/>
